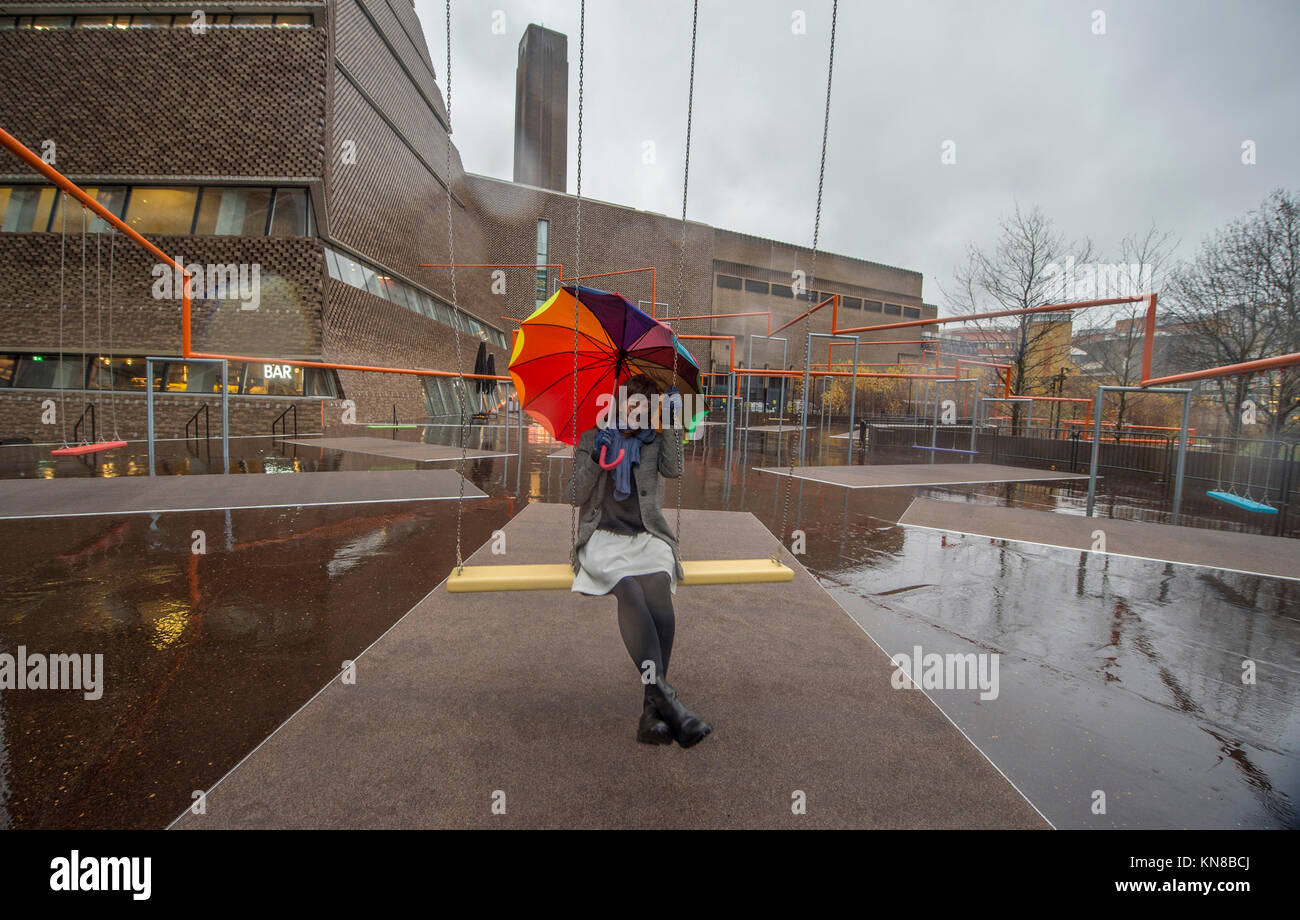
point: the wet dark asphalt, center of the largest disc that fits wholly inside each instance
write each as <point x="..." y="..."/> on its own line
<point x="1118" y="676"/>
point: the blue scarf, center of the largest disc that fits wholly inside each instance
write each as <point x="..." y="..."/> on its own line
<point x="630" y="443"/>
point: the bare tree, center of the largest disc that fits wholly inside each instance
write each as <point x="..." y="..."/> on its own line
<point x="1236" y="302"/>
<point x="1020" y="271"/>
<point x="1279" y="253"/>
<point x="1145" y="261"/>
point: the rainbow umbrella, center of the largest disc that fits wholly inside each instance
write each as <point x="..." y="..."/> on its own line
<point x="616" y="341"/>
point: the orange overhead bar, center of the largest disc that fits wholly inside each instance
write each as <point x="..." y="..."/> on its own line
<point x="496" y="265"/>
<point x="20" y="150"/>
<point x="1020" y="311"/>
<point x="1229" y="370"/>
<point x="867" y="374"/>
<point x="412" y="371"/>
<point x="834" y="298"/>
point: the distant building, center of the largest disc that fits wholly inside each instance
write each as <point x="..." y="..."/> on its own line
<point x="542" y="109"/>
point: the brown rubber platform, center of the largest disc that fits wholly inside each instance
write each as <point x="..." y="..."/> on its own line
<point x="93" y="495"/>
<point x="1278" y="557"/>
<point x="531" y="700"/>
<point x="901" y="475"/>
<point x="400" y="450"/>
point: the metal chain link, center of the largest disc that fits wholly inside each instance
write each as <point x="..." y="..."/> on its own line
<point x="577" y="284"/>
<point x="83" y="306"/>
<point x="456" y="320"/>
<point x="99" y="302"/>
<point x="112" y="377"/>
<point x="63" y="258"/>
<point x="812" y="282"/>
<point x="681" y="260"/>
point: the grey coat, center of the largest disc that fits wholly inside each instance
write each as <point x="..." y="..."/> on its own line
<point x="661" y="457"/>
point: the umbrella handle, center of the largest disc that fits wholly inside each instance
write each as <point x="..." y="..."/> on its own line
<point x="610" y="466"/>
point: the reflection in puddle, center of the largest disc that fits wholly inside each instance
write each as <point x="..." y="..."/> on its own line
<point x="1119" y="674"/>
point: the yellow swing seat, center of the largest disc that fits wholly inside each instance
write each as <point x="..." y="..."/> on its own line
<point x="558" y="576"/>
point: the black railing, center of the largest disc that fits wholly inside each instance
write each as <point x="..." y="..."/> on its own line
<point x="76" y="429"/>
<point x="282" y="421"/>
<point x="194" y="420"/>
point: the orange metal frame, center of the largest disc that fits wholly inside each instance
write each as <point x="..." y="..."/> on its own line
<point x="61" y="181"/>
<point x="20" y="150"/>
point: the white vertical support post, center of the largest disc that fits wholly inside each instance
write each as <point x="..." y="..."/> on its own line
<point x="225" y="415"/>
<point x="1182" y="457"/>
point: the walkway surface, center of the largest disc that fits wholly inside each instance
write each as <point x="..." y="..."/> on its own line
<point x="400" y="450"/>
<point x="889" y="476"/>
<point x="1235" y="552"/>
<point x="92" y="495"/>
<point x="531" y="701"/>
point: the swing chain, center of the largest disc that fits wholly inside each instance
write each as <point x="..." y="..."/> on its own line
<point x="812" y="286"/>
<point x="577" y="288"/>
<point x="681" y="261"/>
<point x="456" y="318"/>
<point x="83" y="309"/>
<point x="63" y="255"/>
<point x="99" y="302"/>
<point x="112" y="377"/>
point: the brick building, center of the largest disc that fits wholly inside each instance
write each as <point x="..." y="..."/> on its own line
<point x="305" y="143"/>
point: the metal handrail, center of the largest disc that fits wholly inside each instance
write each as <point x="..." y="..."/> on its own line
<point x="194" y="420"/>
<point x="283" y="422"/>
<point x="90" y="409"/>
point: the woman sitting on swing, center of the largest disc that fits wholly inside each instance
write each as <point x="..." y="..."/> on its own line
<point x="624" y="547"/>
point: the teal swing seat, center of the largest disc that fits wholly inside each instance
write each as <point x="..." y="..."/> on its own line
<point x="1248" y="504"/>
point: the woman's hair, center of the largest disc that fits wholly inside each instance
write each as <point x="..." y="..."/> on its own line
<point x="641" y="384"/>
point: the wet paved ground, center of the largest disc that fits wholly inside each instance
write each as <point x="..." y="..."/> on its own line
<point x="1116" y="676"/>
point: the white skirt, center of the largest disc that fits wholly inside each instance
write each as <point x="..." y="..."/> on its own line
<point x="608" y="557"/>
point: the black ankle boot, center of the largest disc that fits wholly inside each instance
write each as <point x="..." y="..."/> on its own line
<point x="688" y="729"/>
<point x="652" y="729"/>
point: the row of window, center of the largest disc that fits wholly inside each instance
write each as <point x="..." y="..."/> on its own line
<point x="543" y="253"/>
<point x="446" y="395"/>
<point x="152" y="21"/>
<point x="126" y="373"/>
<point x="373" y="280"/>
<point x="749" y="286"/>
<point x="205" y="211"/>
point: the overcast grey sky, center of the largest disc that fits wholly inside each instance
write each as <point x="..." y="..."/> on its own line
<point x="1106" y="133"/>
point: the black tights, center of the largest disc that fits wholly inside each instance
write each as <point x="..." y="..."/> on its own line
<point x="645" y="618"/>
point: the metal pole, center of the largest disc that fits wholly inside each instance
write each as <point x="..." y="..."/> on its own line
<point x="148" y="411"/>
<point x="803" y="413"/>
<point x="1182" y="455"/>
<point x="974" y="413"/>
<point x="826" y="421"/>
<point x="749" y="363"/>
<point x="1096" y="451"/>
<point x="225" y="415"/>
<point x="853" y="399"/>
<point x="730" y="423"/>
<point x="934" y="428"/>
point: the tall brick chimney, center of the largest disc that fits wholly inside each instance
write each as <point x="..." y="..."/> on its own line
<point x="542" y="109"/>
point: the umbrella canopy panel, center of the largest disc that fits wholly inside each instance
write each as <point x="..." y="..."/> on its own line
<point x="615" y="341"/>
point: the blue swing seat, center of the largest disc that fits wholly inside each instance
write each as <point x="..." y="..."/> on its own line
<point x="1246" y="503"/>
